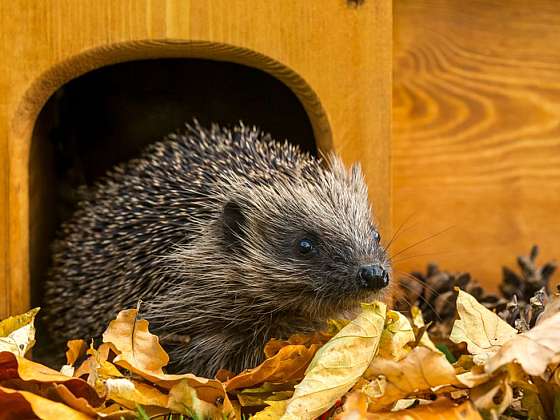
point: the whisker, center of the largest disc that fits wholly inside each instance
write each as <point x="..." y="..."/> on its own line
<point x="427" y="254"/>
<point x="422" y="241"/>
<point x="398" y="231"/>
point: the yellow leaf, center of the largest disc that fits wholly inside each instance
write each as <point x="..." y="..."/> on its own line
<point x="418" y="322"/>
<point x="184" y="399"/>
<point x="17" y="333"/>
<point x="274" y="411"/>
<point x="421" y="370"/>
<point x="482" y="330"/>
<point x="24" y="404"/>
<point x="130" y="393"/>
<point x="139" y="351"/>
<point x="533" y="350"/>
<point x="338" y="364"/>
<point x="76" y="348"/>
<point x="396" y="336"/>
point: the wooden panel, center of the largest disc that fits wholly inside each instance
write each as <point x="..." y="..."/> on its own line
<point x="476" y="146"/>
<point x="336" y="57"/>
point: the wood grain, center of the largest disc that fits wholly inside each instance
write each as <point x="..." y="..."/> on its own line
<point x="336" y="58"/>
<point x="476" y="146"/>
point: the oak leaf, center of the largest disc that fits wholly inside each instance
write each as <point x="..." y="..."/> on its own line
<point x="420" y="371"/>
<point x="533" y="350"/>
<point x="482" y="330"/>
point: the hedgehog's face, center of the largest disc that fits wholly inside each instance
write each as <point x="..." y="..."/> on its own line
<point x="310" y="247"/>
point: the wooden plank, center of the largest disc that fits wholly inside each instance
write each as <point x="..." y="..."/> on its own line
<point x="476" y="145"/>
<point x="336" y="57"/>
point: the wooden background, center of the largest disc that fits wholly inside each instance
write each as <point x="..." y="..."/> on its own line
<point x="334" y="54"/>
<point x="475" y="144"/>
<point x="476" y="132"/>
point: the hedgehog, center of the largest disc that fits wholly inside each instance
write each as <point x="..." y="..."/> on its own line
<point x="227" y="237"/>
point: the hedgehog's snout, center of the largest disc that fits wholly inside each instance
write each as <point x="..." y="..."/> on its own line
<point x="373" y="277"/>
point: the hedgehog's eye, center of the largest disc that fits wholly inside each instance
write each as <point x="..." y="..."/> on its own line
<point x="305" y="246"/>
<point x="376" y="236"/>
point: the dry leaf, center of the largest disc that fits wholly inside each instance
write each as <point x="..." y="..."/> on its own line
<point x="355" y="408"/>
<point x="76" y="349"/>
<point x="274" y="345"/>
<point x="130" y="393"/>
<point x="420" y="325"/>
<point x="23" y="404"/>
<point x="533" y="350"/>
<point x="17" y="333"/>
<point x="396" y="337"/>
<point x="482" y="330"/>
<point x="137" y="349"/>
<point x="493" y="396"/>
<point x="338" y="364"/>
<point x="184" y="399"/>
<point x="288" y="364"/>
<point x="420" y="371"/>
<point x="440" y="410"/>
<point x="274" y="411"/>
<point x="78" y="403"/>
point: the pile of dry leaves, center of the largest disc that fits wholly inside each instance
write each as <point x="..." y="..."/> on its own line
<point x="381" y="365"/>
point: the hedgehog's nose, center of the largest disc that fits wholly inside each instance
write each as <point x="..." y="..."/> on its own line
<point x="373" y="277"/>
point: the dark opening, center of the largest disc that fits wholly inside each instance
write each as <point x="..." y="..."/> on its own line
<point x="109" y="115"/>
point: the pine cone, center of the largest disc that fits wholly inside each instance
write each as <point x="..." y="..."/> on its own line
<point x="528" y="293"/>
<point x="434" y="293"/>
<point x="523" y="296"/>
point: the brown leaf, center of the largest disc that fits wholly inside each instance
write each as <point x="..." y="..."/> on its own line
<point x="355" y="407"/>
<point x="137" y="349"/>
<point x="72" y="400"/>
<point x="440" y="410"/>
<point x="533" y="350"/>
<point x="76" y="349"/>
<point x="421" y="370"/>
<point x="274" y="345"/>
<point x="23" y="374"/>
<point x="288" y="364"/>
<point x="24" y="404"/>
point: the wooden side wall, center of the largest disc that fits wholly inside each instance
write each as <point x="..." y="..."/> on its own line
<point x="476" y="138"/>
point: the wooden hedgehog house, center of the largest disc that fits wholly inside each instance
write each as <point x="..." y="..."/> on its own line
<point x="86" y="84"/>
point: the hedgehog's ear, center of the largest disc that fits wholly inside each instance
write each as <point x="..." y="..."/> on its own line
<point x="234" y="221"/>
